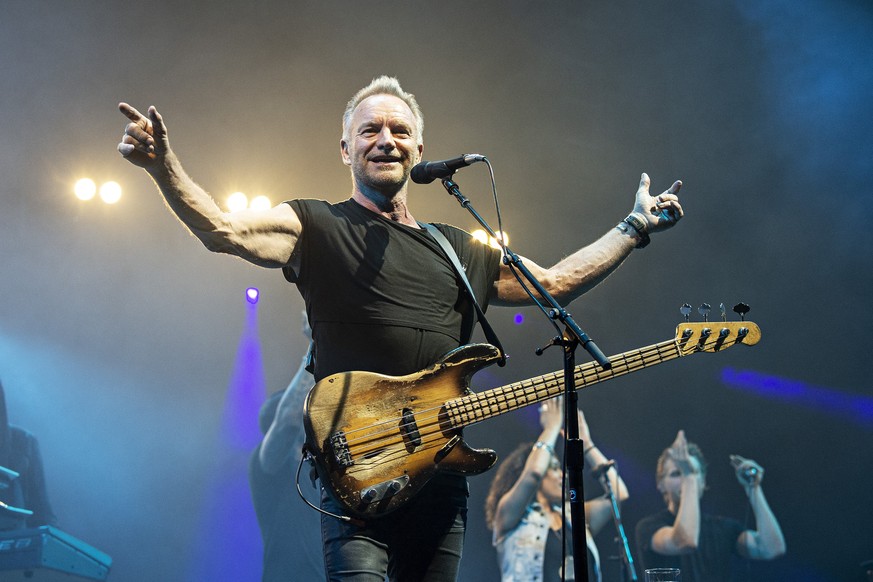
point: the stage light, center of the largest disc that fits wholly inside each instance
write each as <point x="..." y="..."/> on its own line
<point x="252" y="295"/>
<point x="483" y="237"/>
<point x="519" y="319"/>
<point x="85" y="189"/>
<point x="260" y="203"/>
<point x="110" y="192"/>
<point x="237" y="201"/>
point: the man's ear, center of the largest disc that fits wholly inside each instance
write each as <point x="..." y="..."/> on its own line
<point x="344" y="152"/>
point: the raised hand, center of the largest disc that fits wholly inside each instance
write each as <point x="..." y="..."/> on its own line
<point x="552" y="413"/>
<point x="660" y="212"/>
<point x="679" y="454"/>
<point x="145" y="140"/>
<point x="749" y="473"/>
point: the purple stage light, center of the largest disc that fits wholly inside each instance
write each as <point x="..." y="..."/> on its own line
<point x="252" y="295"/>
<point x="519" y="319"/>
<point x="855" y="407"/>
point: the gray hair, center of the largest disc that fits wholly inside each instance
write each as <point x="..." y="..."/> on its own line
<point x="383" y="85"/>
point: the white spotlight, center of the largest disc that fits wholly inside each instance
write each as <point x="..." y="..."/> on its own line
<point x="85" y="189"/>
<point x="480" y="235"/>
<point x="260" y="203"/>
<point x="110" y="192"/>
<point x="484" y="238"/>
<point x="237" y="201"/>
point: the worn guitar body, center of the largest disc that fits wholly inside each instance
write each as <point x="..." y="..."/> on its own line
<point x="396" y="429"/>
<point x="377" y="440"/>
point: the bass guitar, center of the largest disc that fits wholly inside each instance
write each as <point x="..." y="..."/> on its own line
<point x="376" y="440"/>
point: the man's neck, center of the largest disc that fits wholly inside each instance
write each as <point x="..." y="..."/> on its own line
<point x="392" y="207"/>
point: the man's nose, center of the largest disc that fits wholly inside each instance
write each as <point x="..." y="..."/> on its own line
<point x="385" y="140"/>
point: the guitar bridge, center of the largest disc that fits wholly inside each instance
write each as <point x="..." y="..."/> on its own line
<point x="340" y="447"/>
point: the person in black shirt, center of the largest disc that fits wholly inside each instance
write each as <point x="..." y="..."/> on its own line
<point x="699" y="544"/>
<point x="380" y="295"/>
<point x="289" y="528"/>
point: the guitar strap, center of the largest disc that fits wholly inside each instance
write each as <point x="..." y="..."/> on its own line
<point x="456" y="263"/>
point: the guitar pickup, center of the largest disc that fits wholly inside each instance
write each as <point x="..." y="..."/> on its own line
<point x="340" y="447"/>
<point x="409" y="429"/>
<point x="383" y="490"/>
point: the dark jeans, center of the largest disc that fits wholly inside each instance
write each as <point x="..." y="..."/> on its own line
<point x="421" y="541"/>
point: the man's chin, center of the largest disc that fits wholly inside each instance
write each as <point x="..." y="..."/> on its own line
<point x="388" y="181"/>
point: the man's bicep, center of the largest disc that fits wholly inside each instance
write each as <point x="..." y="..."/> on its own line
<point x="269" y="237"/>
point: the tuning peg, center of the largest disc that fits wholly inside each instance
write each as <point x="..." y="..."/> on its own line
<point x="723" y="313"/>
<point x="685" y="310"/>
<point x="741" y="309"/>
<point x="704" y="310"/>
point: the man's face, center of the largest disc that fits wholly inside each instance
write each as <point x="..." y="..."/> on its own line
<point x="671" y="482"/>
<point x="383" y="143"/>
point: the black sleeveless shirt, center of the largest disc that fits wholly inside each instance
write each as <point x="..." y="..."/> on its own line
<point x="381" y="296"/>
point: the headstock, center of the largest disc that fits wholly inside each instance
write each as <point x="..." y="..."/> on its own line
<point x="714" y="336"/>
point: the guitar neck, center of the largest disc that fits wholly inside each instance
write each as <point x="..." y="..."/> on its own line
<point x="483" y="405"/>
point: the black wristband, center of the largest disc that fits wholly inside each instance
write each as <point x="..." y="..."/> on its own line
<point x="639" y="226"/>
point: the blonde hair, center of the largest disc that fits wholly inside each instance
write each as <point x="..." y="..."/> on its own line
<point x="383" y="85"/>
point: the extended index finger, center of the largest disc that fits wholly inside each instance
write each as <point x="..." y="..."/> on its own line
<point x="130" y="112"/>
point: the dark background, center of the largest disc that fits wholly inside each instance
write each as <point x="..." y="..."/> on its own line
<point x="119" y="333"/>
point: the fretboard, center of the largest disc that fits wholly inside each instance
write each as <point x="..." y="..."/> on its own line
<point x="480" y="406"/>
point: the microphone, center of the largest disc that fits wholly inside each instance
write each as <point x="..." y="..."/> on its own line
<point x="749" y="474"/>
<point x="427" y="172"/>
<point x="601" y="469"/>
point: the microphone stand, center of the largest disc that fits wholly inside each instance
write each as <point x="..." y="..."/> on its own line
<point x="628" y="568"/>
<point x="574" y="456"/>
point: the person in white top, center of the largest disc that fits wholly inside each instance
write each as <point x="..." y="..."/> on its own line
<point x="523" y="508"/>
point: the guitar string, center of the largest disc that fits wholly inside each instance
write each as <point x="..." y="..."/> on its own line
<point x="388" y="456"/>
<point x="474" y="403"/>
<point x="459" y="409"/>
<point x="492" y="397"/>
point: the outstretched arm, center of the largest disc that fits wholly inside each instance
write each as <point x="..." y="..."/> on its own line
<point x="767" y="541"/>
<point x="587" y="267"/>
<point x="266" y="238"/>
